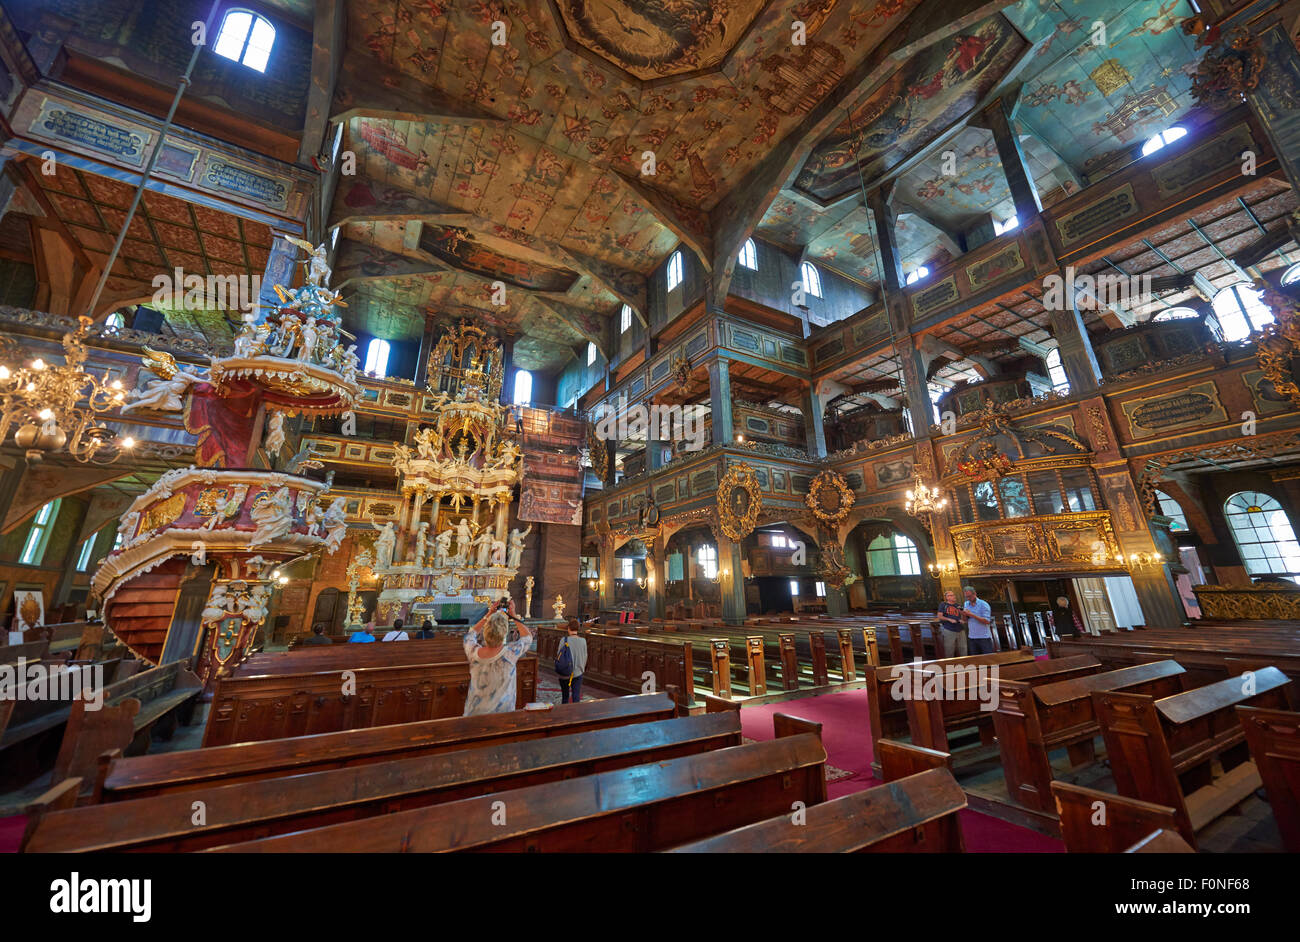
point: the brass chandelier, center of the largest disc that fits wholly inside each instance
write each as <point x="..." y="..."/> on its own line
<point x="56" y="407"/>
<point x="924" y="500"/>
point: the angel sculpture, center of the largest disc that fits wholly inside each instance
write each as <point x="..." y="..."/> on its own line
<point x="464" y="541"/>
<point x="274" y="435"/>
<point x="165" y="394"/>
<point x="335" y="523"/>
<point x="229" y="509"/>
<point x="425" y="442"/>
<point x="517" y="546"/>
<point x="350" y="363"/>
<point x="422" y="542"/>
<point x="126" y="529"/>
<point x="273" y="517"/>
<point x="312" y="518"/>
<point x="318" y="271"/>
<point x="310" y="335"/>
<point x="498" y="552"/>
<point x="246" y="340"/>
<point x="442" y="549"/>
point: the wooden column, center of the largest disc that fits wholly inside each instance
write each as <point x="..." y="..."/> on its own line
<point x="720" y="401"/>
<point x="813" y="422"/>
<point x="731" y="582"/>
<point x="1077" y="356"/>
<point x="999" y="117"/>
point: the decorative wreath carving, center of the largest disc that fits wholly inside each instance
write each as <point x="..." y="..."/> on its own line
<point x="829" y="497"/>
<point x="681" y="373"/>
<point x="739" y="502"/>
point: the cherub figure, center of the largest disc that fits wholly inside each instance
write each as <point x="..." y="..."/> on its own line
<point x="165" y="394"/>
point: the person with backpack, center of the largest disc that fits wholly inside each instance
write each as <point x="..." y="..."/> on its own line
<point x="570" y="662"/>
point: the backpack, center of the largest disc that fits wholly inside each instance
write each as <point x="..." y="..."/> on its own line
<point x="564" y="660"/>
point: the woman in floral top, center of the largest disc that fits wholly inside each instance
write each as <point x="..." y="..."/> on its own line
<point x="492" y="662"/>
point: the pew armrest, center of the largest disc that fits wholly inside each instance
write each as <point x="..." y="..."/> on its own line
<point x="783" y="724"/>
<point x="900" y="759"/>
<point x="714" y="704"/>
<point x="57" y="798"/>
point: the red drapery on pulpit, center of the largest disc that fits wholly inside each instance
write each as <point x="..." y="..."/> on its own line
<point x="223" y="423"/>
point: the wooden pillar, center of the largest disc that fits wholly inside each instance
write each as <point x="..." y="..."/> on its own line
<point x="607" y="575"/>
<point x="999" y="117"/>
<point x="731" y="581"/>
<point x="1077" y="356"/>
<point x="813" y="422"/>
<point x="720" y="401"/>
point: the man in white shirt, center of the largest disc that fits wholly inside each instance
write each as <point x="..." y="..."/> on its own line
<point x="978" y="617"/>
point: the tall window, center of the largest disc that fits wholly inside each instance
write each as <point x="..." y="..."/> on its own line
<point x="1263" y="533"/>
<point x="1163" y="138"/>
<point x="591" y="353"/>
<point x="916" y="274"/>
<point x="749" y="255"/>
<point x="675" y="270"/>
<point x="1170" y="508"/>
<point x="83" y="557"/>
<point x="625" y="319"/>
<point x="625" y="567"/>
<point x="708" y="559"/>
<point x="794" y="587"/>
<point x="247" y="38"/>
<point x="893" y="555"/>
<point x="1006" y="225"/>
<point x="812" y="279"/>
<point x="1056" y="372"/>
<point x="1240" y="311"/>
<point x="820" y="588"/>
<point x="39" y="535"/>
<point x="523" y="388"/>
<point x="377" y="357"/>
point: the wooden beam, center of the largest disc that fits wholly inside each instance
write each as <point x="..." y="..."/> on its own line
<point x="327" y="50"/>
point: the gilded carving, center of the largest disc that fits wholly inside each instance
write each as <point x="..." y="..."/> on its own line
<point x="739" y="502"/>
<point x="829" y="497"/>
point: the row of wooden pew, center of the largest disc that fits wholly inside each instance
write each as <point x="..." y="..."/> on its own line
<point x="1193" y="751"/>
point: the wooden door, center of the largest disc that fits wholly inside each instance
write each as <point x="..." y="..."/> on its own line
<point x="1095" y="605"/>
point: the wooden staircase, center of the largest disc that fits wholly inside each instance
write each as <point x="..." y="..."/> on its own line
<point x="140" y="611"/>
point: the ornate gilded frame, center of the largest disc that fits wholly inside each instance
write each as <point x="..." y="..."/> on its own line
<point x="738" y="526"/>
<point x="827" y="483"/>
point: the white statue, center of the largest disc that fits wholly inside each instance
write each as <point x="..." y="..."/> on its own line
<point x="350" y="363"/>
<point x="161" y="395"/>
<point x="464" y="541"/>
<point x="273" y="516"/>
<point x="310" y="336"/>
<point x="230" y="508"/>
<point x="335" y="523"/>
<point x="246" y="340"/>
<point x="442" y="550"/>
<point x="289" y="327"/>
<point x="424" y="442"/>
<point x="422" y="542"/>
<point x="312" y="518"/>
<point x="517" y="546"/>
<point x="385" y="546"/>
<point x="498" y="552"/>
<point x="528" y="597"/>
<point x="318" y="271"/>
<point x="274" y="434"/>
<point x="126" y="528"/>
<point x="483" y="546"/>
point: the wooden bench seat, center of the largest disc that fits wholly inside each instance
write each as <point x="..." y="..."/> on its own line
<point x="639" y="809"/>
<point x="916" y="814"/>
<point x="1160" y="750"/>
<point x="252" y="810"/>
<point x="348" y="657"/>
<point x="954" y="699"/>
<point x="1097" y="822"/>
<point x="1273" y="737"/>
<point x="1033" y="721"/>
<point x="168" y="773"/>
<point x="887" y="716"/>
<point x="275" y="706"/>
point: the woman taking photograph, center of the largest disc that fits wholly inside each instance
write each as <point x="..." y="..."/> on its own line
<point x="492" y="661"/>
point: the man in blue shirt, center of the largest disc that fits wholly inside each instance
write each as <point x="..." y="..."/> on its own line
<point x="365" y="636"/>
<point x="978" y="617"/>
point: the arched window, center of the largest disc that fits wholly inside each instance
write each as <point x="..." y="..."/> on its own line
<point x="1163" y="138"/>
<point x="39" y="535"/>
<point x="812" y="279"/>
<point x="83" y="557"/>
<point x="1171" y="509"/>
<point x="893" y="555"/>
<point x="523" y="388"/>
<point x="1175" y="314"/>
<point x="675" y="270"/>
<point x="246" y="38"/>
<point x="1291" y="275"/>
<point x="749" y="255"/>
<point x="625" y="319"/>
<point x="708" y="559"/>
<point x="1263" y="533"/>
<point x="115" y="320"/>
<point x="377" y="358"/>
<point x="916" y="274"/>
<point x="591" y="353"/>
<point x="1056" y="372"/>
<point x="1240" y="311"/>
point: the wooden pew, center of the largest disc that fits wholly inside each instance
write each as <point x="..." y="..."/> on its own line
<point x="253" y="810"/>
<point x="954" y="700"/>
<point x="1273" y="737"/>
<point x="1160" y="750"/>
<point x="276" y="706"/>
<point x="888" y="716"/>
<point x="170" y="773"/>
<point x="639" y="809"/>
<point x="1096" y="822"/>
<point x="901" y="759"/>
<point x="349" y="657"/>
<point x="1160" y="842"/>
<point x="916" y="814"/>
<point x="1033" y="721"/>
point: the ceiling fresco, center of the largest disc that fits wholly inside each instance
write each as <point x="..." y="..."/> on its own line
<point x="1089" y="92"/>
<point x="911" y="108"/>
